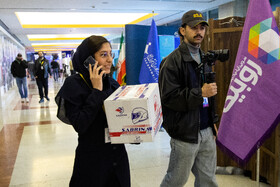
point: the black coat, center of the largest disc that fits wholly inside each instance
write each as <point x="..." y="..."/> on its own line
<point x="97" y="164"/>
<point x="181" y="95"/>
<point x="54" y="64"/>
<point x="18" y="68"/>
<point x="42" y="70"/>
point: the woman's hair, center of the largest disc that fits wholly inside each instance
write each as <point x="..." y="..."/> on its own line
<point x="95" y="43"/>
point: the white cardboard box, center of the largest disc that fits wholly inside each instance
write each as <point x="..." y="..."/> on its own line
<point x="134" y="113"/>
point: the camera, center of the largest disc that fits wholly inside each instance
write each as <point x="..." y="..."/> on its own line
<point x="211" y="56"/>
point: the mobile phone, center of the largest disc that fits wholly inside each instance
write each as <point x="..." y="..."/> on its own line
<point x="89" y="60"/>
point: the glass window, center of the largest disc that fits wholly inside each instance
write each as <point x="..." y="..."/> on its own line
<point x="204" y="14"/>
<point x="214" y="14"/>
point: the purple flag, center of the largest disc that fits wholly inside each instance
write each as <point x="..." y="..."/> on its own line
<point x="252" y="106"/>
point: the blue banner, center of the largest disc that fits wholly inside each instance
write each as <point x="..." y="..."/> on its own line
<point x="151" y="60"/>
<point x="166" y="45"/>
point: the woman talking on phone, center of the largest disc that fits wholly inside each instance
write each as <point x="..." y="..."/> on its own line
<point x="80" y="103"/>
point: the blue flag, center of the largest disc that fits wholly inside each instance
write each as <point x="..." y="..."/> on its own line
<point x="151" y="60"/>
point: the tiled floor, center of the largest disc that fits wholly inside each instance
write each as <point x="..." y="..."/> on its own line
<point x="37" y="150"/>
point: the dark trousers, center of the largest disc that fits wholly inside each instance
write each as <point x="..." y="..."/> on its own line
<point x="42" y="83"/>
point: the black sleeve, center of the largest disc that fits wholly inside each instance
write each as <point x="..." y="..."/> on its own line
<point x="36" y="68"/>
<point x="13" y="69"/>
<point x="24" y="64"/>
<point x="83" y="115"/>
<point x="81" y="104"/>
<point x="174" y="94"/>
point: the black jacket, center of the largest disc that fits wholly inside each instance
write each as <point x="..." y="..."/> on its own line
<point x="97" y="163"/>
<point x="42" y="70"/>
<point x="54" y="64"/>
<point x="18" y="68"/>
<point x="181" y="95"/>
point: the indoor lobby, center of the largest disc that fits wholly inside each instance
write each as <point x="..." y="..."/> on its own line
<point x="38" y="150"/>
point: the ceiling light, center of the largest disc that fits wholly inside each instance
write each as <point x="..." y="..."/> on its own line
<point x="79" y="19"/>
<point x="55" y="44"/>
<point x="37" y="37"/>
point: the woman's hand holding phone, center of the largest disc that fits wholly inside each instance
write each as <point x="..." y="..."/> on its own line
<point x="95" y="76"/>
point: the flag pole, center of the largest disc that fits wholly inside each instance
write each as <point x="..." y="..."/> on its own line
<point x="153" y="12"/>
<point x="258" y="167"/>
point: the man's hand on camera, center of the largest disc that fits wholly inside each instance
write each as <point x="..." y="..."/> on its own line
<point x="209" y="90"/>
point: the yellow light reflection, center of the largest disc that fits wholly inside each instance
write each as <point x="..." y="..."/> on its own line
<point x="38" y="37"/>
<point x="79" y="19"/>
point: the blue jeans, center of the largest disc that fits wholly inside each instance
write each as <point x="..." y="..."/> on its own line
<point x="55" y="74"/>
<point x="199" y="158"/>
<point x="22" y="86"/>
<point x="32" y="75"/>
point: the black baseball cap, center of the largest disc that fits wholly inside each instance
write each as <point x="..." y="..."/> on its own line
<point x="193" y="18"/>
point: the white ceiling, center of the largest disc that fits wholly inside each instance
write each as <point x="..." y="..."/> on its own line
<point x="167" y="10"/>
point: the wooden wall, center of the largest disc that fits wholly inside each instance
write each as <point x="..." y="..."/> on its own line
<point x="226" y="34"/>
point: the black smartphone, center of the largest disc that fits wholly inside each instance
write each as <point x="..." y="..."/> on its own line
<point x="89" y="60"/>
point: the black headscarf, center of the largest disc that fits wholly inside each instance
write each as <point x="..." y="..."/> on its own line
<point x="87" y="48"/>
<point x="70" y="87"/>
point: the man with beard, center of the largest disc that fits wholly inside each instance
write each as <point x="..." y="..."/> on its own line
<point x="188" y="108"/>
<point x="42" y="71"/>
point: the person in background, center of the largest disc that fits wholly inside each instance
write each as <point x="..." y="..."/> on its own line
<point x="42" y="71"/>
<point x="80" y="103"/>
<point x="72" y="71"/>
<point x="188" y="108"/>
<point x="113" y="69"/>
<point x="18" y="70"/>
<point x="55" y="67"/>
<point x="65" y="66"/>
<point x="31" y="67"/>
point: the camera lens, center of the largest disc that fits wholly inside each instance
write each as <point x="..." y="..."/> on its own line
<point x="223" y="54"/>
